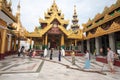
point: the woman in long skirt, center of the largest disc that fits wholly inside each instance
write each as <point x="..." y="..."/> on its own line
<point x="87" y="61"/>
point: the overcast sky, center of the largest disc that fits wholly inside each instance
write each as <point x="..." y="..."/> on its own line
<point x="32" y="10"/>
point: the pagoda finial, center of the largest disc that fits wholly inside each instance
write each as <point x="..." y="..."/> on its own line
<point x="74" y="9"/>
<point x="18" y="11"/>
<point x="54" y="1"/>
<point x="18" y="4"/>
<point x="10" y="3"/>
<point x="75" y="25"/>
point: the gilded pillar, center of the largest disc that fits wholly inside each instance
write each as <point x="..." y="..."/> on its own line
<point x="11" y="47"/>
<point x="75" y="44"/>
<point x="4" y="34"/>
<point x="46" y="40"/>
<point x="15" y="44"/>
<point x="62" y="40"/>
<point x="43" y="42"/>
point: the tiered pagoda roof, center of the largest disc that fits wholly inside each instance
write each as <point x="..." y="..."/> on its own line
<point x="101" y="18"/>
<point x="5" y="7"/>
<point x="54" y="16"/>
<point x="75" y="25"/>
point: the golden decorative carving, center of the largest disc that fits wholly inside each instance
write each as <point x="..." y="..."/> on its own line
<point x="104" y="14"/>
<point x="113" y="28"/>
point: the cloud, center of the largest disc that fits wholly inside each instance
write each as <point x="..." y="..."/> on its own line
<point x="32" y="10"/>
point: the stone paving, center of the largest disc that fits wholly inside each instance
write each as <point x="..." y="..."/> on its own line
<point x="14" y="68"/>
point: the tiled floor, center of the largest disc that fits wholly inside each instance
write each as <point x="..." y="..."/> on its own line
<point x="14" y="68"/>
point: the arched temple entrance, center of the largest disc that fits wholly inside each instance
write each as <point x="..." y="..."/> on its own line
<point x="54" y="41"/>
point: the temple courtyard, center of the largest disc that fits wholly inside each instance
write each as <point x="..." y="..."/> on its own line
<point x="37" y="68"/>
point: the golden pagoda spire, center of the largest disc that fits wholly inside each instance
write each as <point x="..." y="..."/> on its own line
<point x="18" y="16"/>
<point x="75" y="25"/>
<point x="18" y="9"/>
<point x="10" y="3"/>
<point x="18" y="4"/>
<point x="74" y="9"/>
<point x="54" y="5"/>
<point x="3" y="3"/>
<point x="9" y="6"/>
<point x="53" y="1"/>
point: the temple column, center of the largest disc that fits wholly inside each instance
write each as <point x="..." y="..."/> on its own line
<point x="18" y="44"/>
<point x="4" y="34"/>
<point x="43" y="41"/>
<point x="46" y="40"/>
<point x="75" y="44"/>
<point x="82" y="47"/>
<point x="9" y="42"/>
<point x="62" y="40"/>
<point x="30" y="43"/>
<point x="88" y="45"/>
<point x="97" y="45"/>
<point x="112" y="41"/>
<point x="15" y="44"/>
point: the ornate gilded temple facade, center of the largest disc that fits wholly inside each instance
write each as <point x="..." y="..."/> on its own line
<point x="11" y="31"/>
<point x="52" y="32"/>
<point x="103" y="30"/>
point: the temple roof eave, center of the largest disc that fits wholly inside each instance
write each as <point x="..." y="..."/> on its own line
<point x="42" y="21"/>
<point x="107" y="18"/>
<point x="9" y="14"/>
<point x="74" y="37"/>
<point x="106" y="11"/>
<point x="113" y="28"/>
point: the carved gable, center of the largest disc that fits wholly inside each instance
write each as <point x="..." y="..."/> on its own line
<point x="54" y="30"/>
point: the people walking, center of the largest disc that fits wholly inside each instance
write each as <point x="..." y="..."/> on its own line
<point x="51" y="53"/>
<point x="30" y="53"/>
<point x="45" y="52"/>
<point x="59" y="56"/>
<point x="62" y="52"/>
<point x="34" y="53"/>
<point x="19" y="52"/>
<point x="73" y="57"/>
<point x="87" y="60"/>
<point x="22" y="51"/>
<point x="110" y="59"/>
